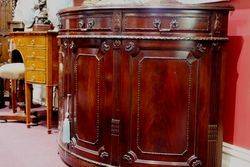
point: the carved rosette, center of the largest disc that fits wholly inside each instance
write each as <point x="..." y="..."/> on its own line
<point x="194" y="162"/>
<point x="130" y="157"/>
<point x="117" y="44"/>
<point x="105" y="47"/>
<point x="132" y="49"/>
<point x="199" y="51"/>
<point x="103" y="154"/>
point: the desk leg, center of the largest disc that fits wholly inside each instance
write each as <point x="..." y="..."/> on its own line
<point x="14" y="95"/>
<point x="49" y="106"/>
<point x="28" y="103"/>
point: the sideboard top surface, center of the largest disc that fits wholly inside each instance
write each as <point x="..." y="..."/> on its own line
<point x="168" y="6"/>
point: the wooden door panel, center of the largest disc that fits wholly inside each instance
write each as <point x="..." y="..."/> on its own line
<point x="90" y="115"/>
<point x="87" y="96"/>
<point x="163" y="113"/>
<point x="164" y="85"/>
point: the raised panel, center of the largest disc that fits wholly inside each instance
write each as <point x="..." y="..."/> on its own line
<point x="163" y="119"/>
<point x="164" y="106"/>
<point x="90" y="103"/>
<point x="88" y="73"/>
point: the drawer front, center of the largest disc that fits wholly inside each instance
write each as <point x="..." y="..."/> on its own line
<point x="98" y="23"/>
<point x="38" y="41"/>
<point x="157" y="22"/>
<point x="20" y="41"/>
<point x="35" y="53"/>
<point x="35" y="64"/>
<point x="36" y="76"/>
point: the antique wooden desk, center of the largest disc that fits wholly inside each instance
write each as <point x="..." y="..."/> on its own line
<point x="140" y="85"/>
<point x="40" y="55"/>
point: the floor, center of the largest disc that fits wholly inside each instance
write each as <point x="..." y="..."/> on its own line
<point x="22" y="147"/>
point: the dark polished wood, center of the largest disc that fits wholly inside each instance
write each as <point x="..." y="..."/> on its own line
<point x="142" y="85"/>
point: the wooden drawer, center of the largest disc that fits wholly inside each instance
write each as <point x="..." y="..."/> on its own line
<point x="35" y="64"/>
<point x="35" y="76"/>
<point x="20" y="41"/>
<point x="98" y="23"/>
<point x="172" y="22"/>
<point x="38" y="53"/>
<point x="38" y="41"/>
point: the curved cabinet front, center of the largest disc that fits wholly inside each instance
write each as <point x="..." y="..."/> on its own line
<point x="139" y="100"/>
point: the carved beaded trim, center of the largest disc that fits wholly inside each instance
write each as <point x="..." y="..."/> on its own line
<point x="145" y="37"/>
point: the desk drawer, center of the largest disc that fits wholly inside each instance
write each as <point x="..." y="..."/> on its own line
<point x="35" y="64"/>
<point x="86" y="23"/>
<point x="37" y="41"/>
<point x="20" y="41"/>
<point x="36" y="76"/>
<point x="35" y="53"/>
<point x="170" y="22"/>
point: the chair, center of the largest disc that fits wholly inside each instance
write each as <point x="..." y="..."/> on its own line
<point x="14" y="72"/>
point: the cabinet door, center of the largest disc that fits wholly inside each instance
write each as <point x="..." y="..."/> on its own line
<point x="92" y="76"/>
<point x="163" y="87"/>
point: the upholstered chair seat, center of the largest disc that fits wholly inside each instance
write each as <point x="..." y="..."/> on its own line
<point x="12" y="71"/>
<point x="15" y="73"/>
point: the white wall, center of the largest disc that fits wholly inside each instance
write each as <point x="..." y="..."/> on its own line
<point x="24" y="10"/>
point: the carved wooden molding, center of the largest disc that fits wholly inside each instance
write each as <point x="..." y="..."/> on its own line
<point x="65" y="44"/>
<point x="130" y="157"/>
<point x="117" y="17"/>
<point x="115" y="127"/>
<point x="218" y="23"/>
<point x="103" y="154"/>
<point x="185" y="38"/>
<point x="199" y="51"/>
<point x="212" y="143"/>
<point x="105" y="47"/>
<point x="117" y="44"/>
<point x="4" y="2"/>
<point x="194" y="162"/>
<point x="132" y="49"/>
<point x="73" y="142"/>
<point x="212" y="132"/>
<point x="73" y="47"/>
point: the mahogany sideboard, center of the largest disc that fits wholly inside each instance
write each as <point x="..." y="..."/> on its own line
<point x="141" y="85"/>
<point x="39" y="51"/>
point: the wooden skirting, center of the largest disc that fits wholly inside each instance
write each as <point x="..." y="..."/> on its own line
<point x="234" y="156"/>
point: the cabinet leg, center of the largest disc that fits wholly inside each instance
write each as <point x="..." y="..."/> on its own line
<point x="14" y="95"/>
<point x="49" y="107"/>
<point x="28" y="103"/>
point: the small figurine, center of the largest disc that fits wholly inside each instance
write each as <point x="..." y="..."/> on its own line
<point x="41" y="13"/>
